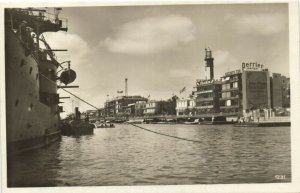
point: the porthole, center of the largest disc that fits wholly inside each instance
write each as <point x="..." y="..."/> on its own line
<point x="30" y="70"/>
<point x="30" y="107"/>
<point x="22" y="63"/>
<point x="17" y="102"/>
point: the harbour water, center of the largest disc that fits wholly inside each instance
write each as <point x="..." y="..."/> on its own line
<point x="126" y="155"/>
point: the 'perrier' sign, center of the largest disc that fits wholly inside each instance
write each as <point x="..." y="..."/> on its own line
<point x="252" y="66"/>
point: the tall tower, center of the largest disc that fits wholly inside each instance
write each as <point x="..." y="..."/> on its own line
<point x="209" y="62"/>
<point x="126" y="88"/>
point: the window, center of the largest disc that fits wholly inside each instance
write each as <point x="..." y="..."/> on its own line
<point x="225" y="86"/>
<point x="235" y="85"/>
<point x="30" y="107"/>
<point x="228" y="103"/>
<point x="226" y="94"/>
<point x="234" y="102"/>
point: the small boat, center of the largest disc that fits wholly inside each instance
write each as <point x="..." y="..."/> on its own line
<point x="137" y="121"/>
<point x="171" y="121"/>
<point x="195" y="122"/>
<point x="104" y="125"/>
<point x="155" y="120"/>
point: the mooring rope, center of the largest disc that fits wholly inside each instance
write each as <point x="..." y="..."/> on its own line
<point x="163" y="134"/>
<point x="172" y="136"/>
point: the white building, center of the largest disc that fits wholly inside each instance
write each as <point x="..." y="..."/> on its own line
<point x="185" y="106"/>
<point x="151" y="107"/>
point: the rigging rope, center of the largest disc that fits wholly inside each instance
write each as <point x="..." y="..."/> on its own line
<point x="70" y="92"/>
<point x="80" y="98"/>
<point x="163" y="134"/>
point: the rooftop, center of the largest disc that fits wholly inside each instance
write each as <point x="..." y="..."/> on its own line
<point x="135" y="97"/>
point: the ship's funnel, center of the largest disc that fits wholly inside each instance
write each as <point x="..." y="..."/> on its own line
<point x="68" y="76"/>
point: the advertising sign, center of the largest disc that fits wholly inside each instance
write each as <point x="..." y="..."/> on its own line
<point x="257" y="90"/>
<point x="254" y="66"/>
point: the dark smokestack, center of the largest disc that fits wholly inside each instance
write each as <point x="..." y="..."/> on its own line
<point x="209" y="62"/>
<point x="126" y="88"/>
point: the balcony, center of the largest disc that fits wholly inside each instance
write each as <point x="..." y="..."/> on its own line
<point x="204" y="99"/>
<point x="228" y="98"/>
<point x="204" y="91"/>
<point x="229" y="107"/>
<point x="229" y="89"/>
<point x="231" y="80"/>
<point x="150" y="107"/>
<point x="205" y="107"/>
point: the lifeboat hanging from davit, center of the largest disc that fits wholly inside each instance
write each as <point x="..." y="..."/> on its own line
<point x="68" y="75"/>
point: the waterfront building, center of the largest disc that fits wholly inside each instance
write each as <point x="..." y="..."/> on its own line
<point x="139" y="108"/>
<point x="249" y="90"/>
<point x="245" y="90"/>
<point x="129" y="110"/>
<point x="208" y="90"/>
<point x="151" y="108"/>
<point x="280" y="91"/>
<point x="161" y="107"/>
<point x="94" y="115"/>
<point x="231" y="101"/>
<point x="208" y="93"/>
<point x="256" y="89"/>
<point x="185" y="106"/>
<point x="118" y="105"/>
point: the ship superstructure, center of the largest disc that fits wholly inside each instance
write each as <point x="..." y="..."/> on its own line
<point x="32" y="110"/>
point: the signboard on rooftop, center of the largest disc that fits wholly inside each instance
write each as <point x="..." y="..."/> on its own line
<point x="233" y="72"/>
<point x="252" y="66"/>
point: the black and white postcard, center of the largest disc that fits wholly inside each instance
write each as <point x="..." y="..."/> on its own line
<point x="150" y="97"/>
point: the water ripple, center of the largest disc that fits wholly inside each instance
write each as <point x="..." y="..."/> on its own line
<point x="126" y="155"/>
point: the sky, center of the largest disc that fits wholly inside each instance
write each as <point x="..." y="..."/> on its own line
<point x="160" y="49"/>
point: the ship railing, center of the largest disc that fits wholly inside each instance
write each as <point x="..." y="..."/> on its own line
<point x="43" y="15"/>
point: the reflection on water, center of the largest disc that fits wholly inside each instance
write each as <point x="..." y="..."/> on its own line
<point x="126" y="155"/>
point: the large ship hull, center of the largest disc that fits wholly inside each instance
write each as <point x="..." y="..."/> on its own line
<point x="29" y="122"/>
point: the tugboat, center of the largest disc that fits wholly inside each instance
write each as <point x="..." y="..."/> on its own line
<point x="32" y="110"/>
<point x="77" y="126"/>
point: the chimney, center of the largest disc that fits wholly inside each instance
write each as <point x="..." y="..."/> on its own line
<point x="209" y="62"/>
<point x="126" y="87"/>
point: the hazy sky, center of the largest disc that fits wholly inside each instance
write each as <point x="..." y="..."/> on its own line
<point x="160" y="49"/>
